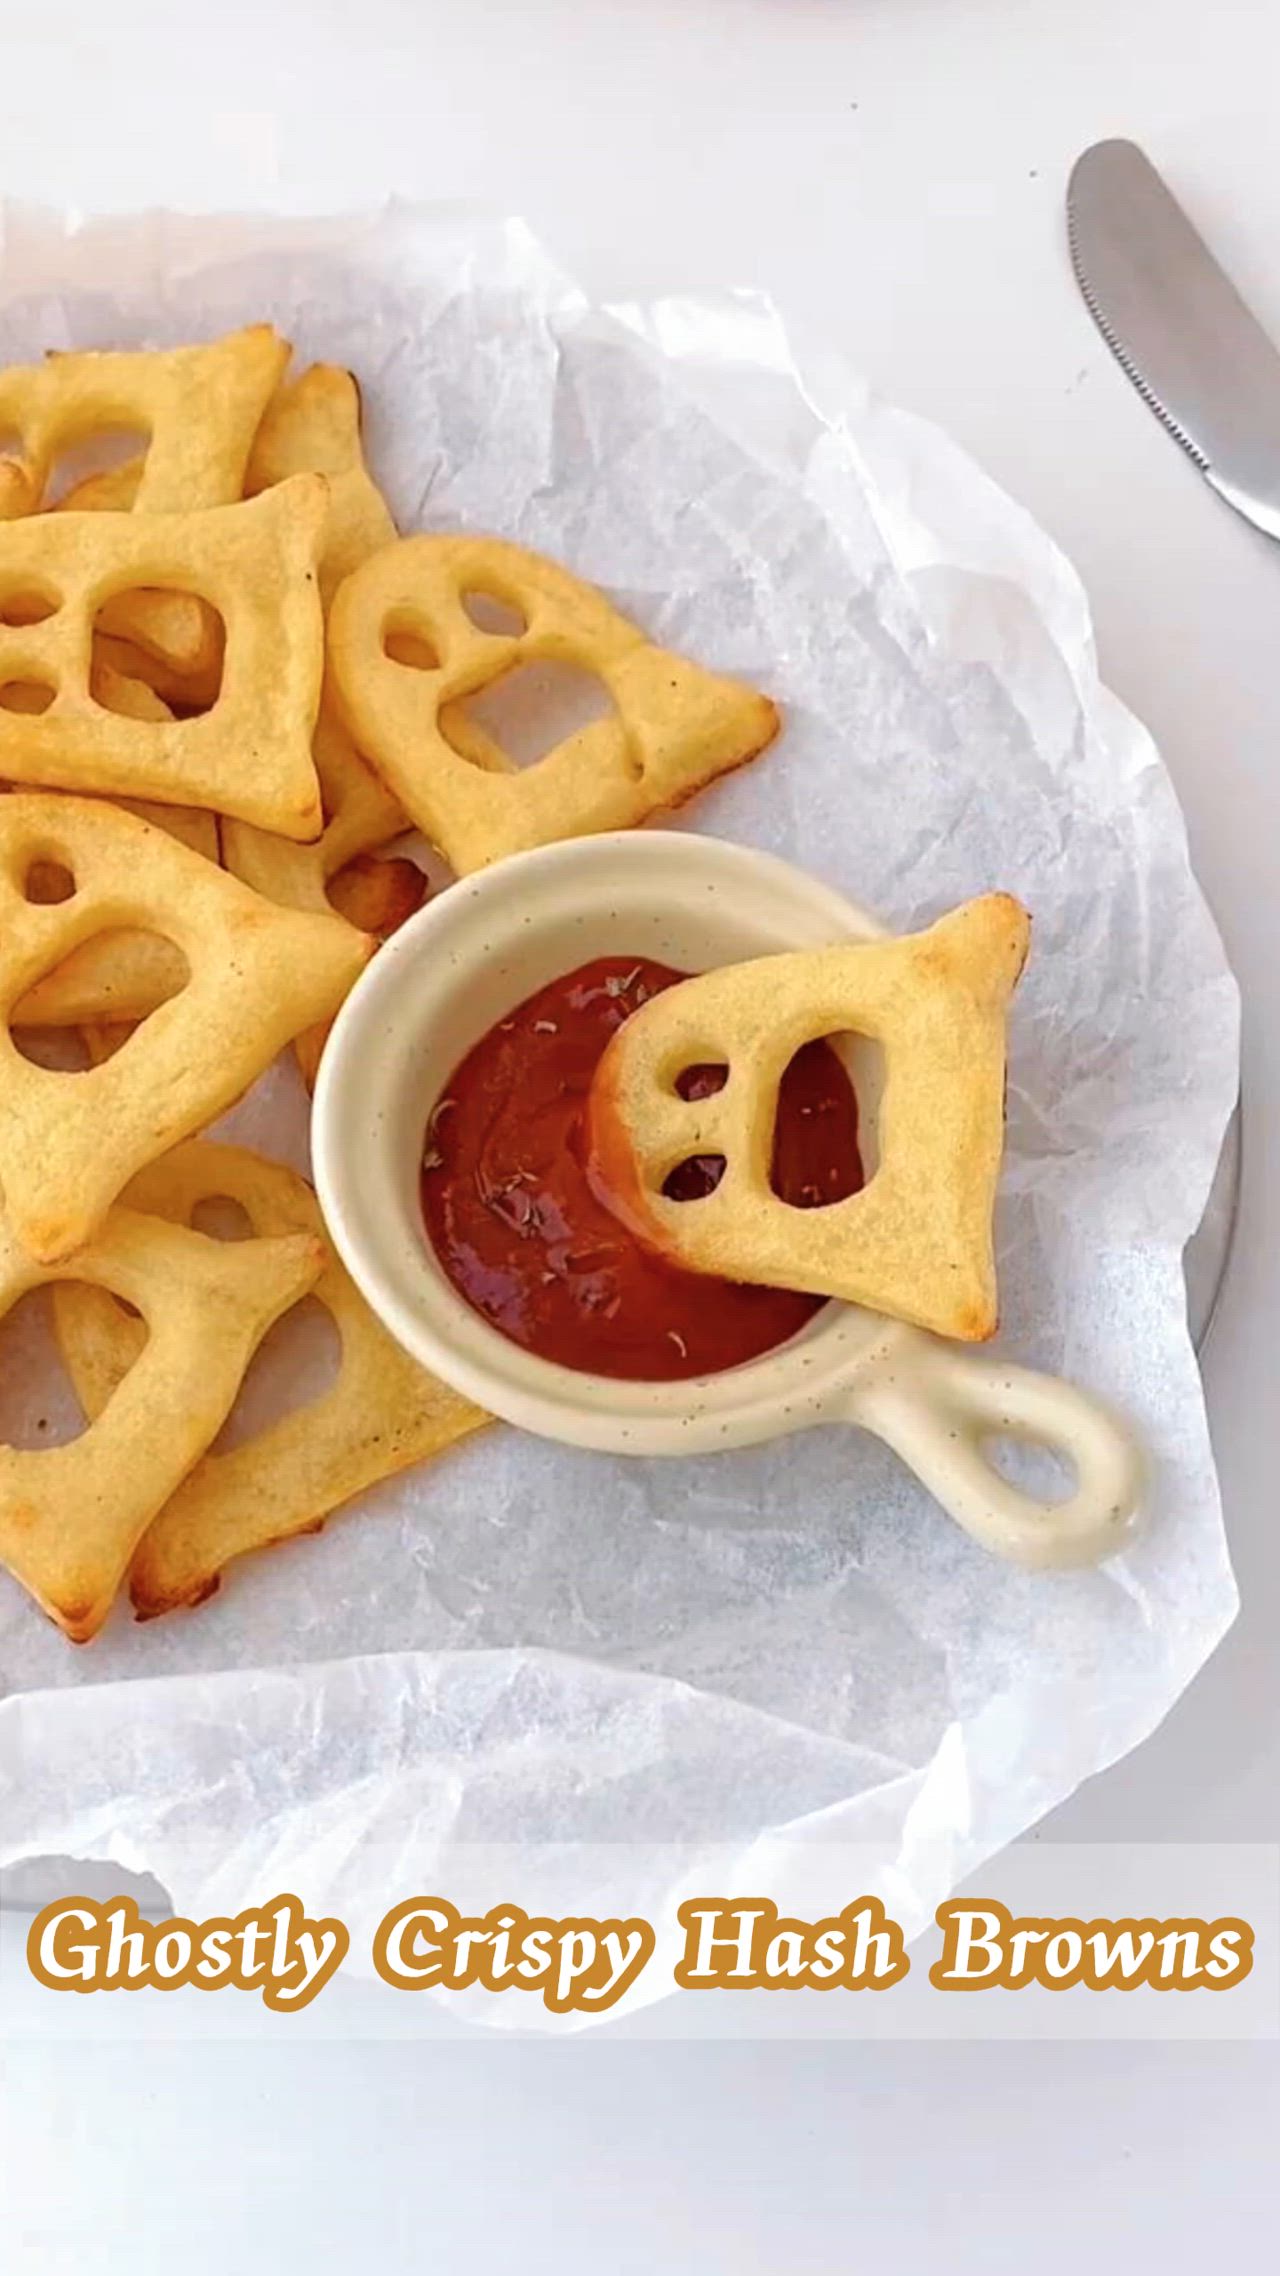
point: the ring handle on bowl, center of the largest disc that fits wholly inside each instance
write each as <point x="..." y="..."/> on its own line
<point x="935" y="1405"/>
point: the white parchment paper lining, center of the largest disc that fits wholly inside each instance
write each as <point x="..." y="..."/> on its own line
<point x="770" y="1650"/>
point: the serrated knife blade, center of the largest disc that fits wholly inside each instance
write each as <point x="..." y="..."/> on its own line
<point x="1178" y="327"/>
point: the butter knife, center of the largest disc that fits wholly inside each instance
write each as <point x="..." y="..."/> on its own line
<point x="1177" y="326"/>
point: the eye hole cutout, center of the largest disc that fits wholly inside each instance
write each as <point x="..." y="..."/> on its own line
<point x="1041" y="1471"/>
<point x="221" y="1218"/>
<point x="158" y="655"/>
<point x="524" y="714"/>
<point x="297" y="1363"/>
<point x="700" y="1081"/>
<point x="39" y="1409"/>
<point x="816" y="1157"/>
<point x="28" y="605"/>
<point x="494" y="612"/>
<point x="30" y="697"/>
<point x="694" y="1178"/>
<point x="699" y="1174"/>
<point x="48" y="881"/>
<point x="100" y="471"/>
<point x="405" y="642"/>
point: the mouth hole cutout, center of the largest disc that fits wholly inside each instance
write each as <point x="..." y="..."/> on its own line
<point x="1034" y="1468"/>
<point x="85" y="974"/>
<point x="297" y="1362"/>
<point x="817" y="1151"/>
<point x="29" y="605"/>
<point x="100" y="465"/>
<point x="31" y="697"/>
<point x="175" y="645"/>
<point x="59" y="1050"/>
<point x="105" y="1037"/>
<point x="493" y="612"/>
<point x="221" y="1218"/>
<point x="525" y="714"/>
<point x="39" y="1409"/>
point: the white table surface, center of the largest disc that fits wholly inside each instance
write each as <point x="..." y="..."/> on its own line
<point x="894" y="169"/>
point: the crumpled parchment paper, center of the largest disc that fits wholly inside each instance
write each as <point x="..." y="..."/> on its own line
<point x="766" y="1651"/>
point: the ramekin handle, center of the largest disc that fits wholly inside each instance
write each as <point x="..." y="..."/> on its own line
<point x="937" y="1405"/>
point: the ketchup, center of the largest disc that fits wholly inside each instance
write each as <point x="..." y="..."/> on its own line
<point x="523" y="1237"/>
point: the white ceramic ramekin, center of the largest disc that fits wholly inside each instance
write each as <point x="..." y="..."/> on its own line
<point x="460" y="965"/>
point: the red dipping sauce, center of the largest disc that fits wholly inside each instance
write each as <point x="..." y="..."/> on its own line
<point x="523" y="1237"/>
